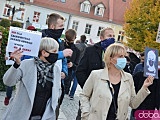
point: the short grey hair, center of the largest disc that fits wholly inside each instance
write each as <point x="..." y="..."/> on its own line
<point x="48" y="44"/>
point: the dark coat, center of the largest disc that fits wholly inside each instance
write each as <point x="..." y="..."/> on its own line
<point x="152" y="100"/>
<point x="75" y="55"/>
<point x="91" y="60"/>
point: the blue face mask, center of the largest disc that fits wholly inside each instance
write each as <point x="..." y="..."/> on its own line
<point x="105" y="43"/>
<point x="121" y="63"/>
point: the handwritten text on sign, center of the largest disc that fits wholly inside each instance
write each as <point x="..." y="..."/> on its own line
<point x="28" y="41"/>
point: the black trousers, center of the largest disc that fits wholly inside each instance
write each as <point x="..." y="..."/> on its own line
<point x="67" y="82"/>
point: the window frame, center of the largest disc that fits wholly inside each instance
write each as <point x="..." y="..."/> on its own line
<point x="88" y="29"/>
<point x="85" y="7"/>
<point x="36" y="20"/>
<point x="63" y="1"/>
<point x="75" y="26"/>
<point x="120" y="36"/>
<point x="101" y="10"/>
<point x="99" y="30"/>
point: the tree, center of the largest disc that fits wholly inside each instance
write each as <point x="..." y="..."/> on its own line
<point x="16" y="24"/>
<point x="141" y="24"/>
<point x="3" y="67"/>
<point x="5" y="23"/>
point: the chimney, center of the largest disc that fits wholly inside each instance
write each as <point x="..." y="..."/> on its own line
<point x="111" y="10"/>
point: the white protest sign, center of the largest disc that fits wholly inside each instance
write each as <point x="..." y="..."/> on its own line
<point x="28" y="41"/>
<point x="158" y="34"/>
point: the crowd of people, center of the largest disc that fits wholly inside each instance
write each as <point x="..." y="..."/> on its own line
<point x="104" y="71"/>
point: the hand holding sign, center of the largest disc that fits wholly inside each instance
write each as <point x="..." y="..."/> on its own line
<point x="148" y="81"/>
<point x="16" y="55"/>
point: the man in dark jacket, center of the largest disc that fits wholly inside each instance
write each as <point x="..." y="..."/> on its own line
<point x="55" y="29"/>
<point x="93" y="58"/>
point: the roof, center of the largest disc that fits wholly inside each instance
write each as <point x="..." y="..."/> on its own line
<point x="73" y="7"/>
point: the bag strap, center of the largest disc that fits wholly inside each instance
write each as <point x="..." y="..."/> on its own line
<point x="114" y="102"/>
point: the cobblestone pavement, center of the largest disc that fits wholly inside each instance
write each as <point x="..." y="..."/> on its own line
<point x="70" y="107"/>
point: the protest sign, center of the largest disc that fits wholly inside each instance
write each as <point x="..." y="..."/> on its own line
<point x="158" y="34"/>
<point x="151" y="62"/>
<point x="28" y="41"/>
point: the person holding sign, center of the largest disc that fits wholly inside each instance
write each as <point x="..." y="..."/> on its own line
<point x="152" y="101"/>
<point x="10" y="89"/>
<point x="38" y="84"/>
<point x="109" y="92"/>
<point x="150" y="65"/>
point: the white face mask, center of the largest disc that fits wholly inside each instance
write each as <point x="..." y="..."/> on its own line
<point x="0" y="36"/>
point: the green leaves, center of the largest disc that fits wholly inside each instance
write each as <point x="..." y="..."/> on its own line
<point x="3" y="67"/>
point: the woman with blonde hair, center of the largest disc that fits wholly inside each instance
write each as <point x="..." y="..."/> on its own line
<point x="38" y="84"/>
<point x="109" y="92"/>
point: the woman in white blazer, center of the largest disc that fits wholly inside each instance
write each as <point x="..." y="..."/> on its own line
<point x="109" y="92"/>
<point x="38" y="84"/>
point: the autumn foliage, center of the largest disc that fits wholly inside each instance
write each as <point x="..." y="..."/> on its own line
<point x="141" y="24"/>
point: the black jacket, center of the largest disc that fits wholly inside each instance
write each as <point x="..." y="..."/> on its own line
<point x="75" y="55"/>
<point x="91" y="60"/>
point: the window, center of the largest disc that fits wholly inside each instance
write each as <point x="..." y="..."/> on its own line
<point x="85" y="6"/>
<point x="124" y="0"/>
<point x="88" y="29"/>
<point x="36" y="16"/>
<point x="63" y="1"/>
<point x="99" y="30"/>
<point x="75" y="25"/>
<point x="99" y="10"/>
<point x="120" y="36"/>
<point x="7" y="10"/>
<point x="20" y="14"/>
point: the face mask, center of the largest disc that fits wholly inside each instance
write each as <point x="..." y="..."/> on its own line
<point x="105" y="43"/>
<point x="0" y="36"/>
<point x="52" y="58"/>
<point x="70" y="44"/>
<point x="151" y="62"/>
<point x="121" y="63"/>
<point x="56" y="33"/>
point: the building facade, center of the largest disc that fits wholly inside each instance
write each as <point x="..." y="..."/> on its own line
<point x="85" y="16"/>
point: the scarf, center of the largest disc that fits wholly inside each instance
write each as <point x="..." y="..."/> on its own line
<point x="44" y="71"/>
